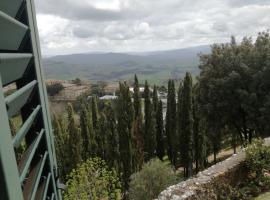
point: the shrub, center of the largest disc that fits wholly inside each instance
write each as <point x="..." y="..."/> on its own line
<point x="93" y="180"/>
<point x="54" y="89"/>
<point x="258" y="164"/>
<point x="258" y="158"/>
<point x="154" y="177"/>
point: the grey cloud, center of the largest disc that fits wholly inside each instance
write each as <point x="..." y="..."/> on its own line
<point x="152" y="25"/>
<point x="74" y="11"/>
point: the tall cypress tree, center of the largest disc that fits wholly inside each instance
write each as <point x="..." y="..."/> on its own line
<point x="138" y="130"/>
<point x="74" y="139"/>
<point x="186" y="120"/>
<point x="149" y="126"/>
<point x="155" y="99"/>
<point x="61" y="140"/>
<point x="171" y="123"/>
<point x="160" y="132"/>
<point x="200" y="152"/>
<point x="112" y="139"/>
<point x="87" y="132"/>
<point x="125" y="121"/>
<point x="95" y="114"/>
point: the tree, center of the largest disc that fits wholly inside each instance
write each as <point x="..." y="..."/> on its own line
<point x="54" y="89"/>
<point x="138" y="129"/>
<point x="124" y="127"/>
<point x="155" y="99"/>
<point x="170" y="126"/>
<point x="95" y="114"/>
<point x="87" y="132"/>
<point x="74" y="140"/>
<point x="93" y="180"/>
<point x="154" y="177"/>
<point x="233" y="81"/>
<point x="186" y="120"/>
<point x="160" y="132"/>
<point x="149" y="126"/>
<point x="112" y="138"/>
<point x="199" y="129"/>
<point x="62" y="149"/>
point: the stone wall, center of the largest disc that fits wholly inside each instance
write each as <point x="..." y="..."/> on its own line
<point x="201" y="185"/>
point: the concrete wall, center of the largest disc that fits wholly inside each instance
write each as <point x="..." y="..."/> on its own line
<point x="201" y="185"/>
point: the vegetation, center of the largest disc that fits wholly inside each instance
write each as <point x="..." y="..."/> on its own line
<point x="93" y="180"/>
<point x="154" y="177"/>
<point x="227" y="105"/>
<point x="54" y="89"/>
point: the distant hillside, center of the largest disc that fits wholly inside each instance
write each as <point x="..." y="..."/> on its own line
<point x="155" y="66"/>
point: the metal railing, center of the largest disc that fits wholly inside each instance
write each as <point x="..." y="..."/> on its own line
<point x="28" y="168"/>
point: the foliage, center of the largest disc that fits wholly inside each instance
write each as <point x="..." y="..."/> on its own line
<point x="160" y="132"/>
<point x="138" y="129"/>
<point x="234" y="87"/>
<point x="258" y="163"/>
<point x="124" y="127"/>
<point x="149" y="126"/>
<point x="170" y="125"/>
<point x="74" y="139"/>
<point x="93" y="180"/>
<point x="77" y="81"/>
<point x="154" y="177"/>
<point x="186" y="126"/>
<point x="54" y="89"/>
<point x="98" y="89"/>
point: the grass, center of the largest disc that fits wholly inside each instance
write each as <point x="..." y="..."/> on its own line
<point x="265" y="196"/>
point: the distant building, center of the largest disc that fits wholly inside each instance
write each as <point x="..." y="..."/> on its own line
<point x="141" y="89"/>
<point x="108" y="97"/>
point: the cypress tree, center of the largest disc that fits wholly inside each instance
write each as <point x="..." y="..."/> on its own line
<point x="160" y="132"/>
<point x="200" y="154"/>
<point x="149" y="126"/>
<point x="171" y="123"/>
<point x="137" y="99"/>
<point x="138" y="130"/>
<point x="101" y="136"/>
<point x="75" y="140"/>
<point x="95" y="114"/>
<point x="112" y="138"/>
<point x="186" y="139"/>
<point x="61" y="139"/>
<point x="87" y="132"/>
<point x="155" y="99"/>
<point x="124" y="126"/>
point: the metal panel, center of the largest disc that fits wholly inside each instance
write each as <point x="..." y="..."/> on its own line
<point x="32" y="182"/>
<point x="13" y="66"/>
<point x="11" y="28"/>
<point x="28" y="156"/>
<point x="25" y="127"/>
<point x="8" y="167"/>
<point x="43" y="94"/>
<point x="20" y="63"/>
<point x="46" y="186"/>
<point x="19" y="98"/>
<point x="10" y="7"/>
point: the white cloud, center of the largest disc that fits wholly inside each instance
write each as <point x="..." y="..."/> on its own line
<point x="68" y="26"/>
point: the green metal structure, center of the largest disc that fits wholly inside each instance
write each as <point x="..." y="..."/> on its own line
<point x="28" y="168"/>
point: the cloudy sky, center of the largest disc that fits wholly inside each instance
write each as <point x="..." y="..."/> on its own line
<point x="76" y="26"/>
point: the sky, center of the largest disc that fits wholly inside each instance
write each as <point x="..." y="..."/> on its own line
<point x="81" y="26"/>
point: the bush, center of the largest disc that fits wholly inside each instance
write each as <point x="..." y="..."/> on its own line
<point x="154" y="177"/>
<point x="258" y="164"/>
<point x="258" y="158"/>
<point x="54" y="89"/>
<point x="93" y="180"/>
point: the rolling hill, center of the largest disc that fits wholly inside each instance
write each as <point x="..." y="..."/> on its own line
<point x="156" y="66"/>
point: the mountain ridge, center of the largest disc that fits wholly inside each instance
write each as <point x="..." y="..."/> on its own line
<point x="110" y="66"/>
